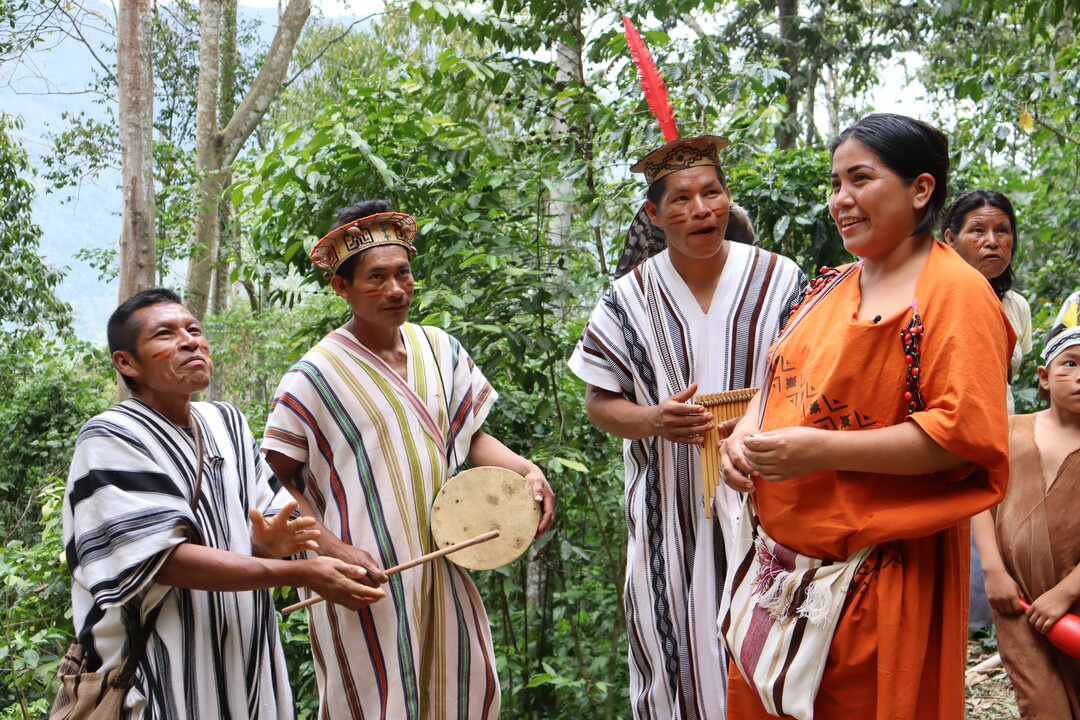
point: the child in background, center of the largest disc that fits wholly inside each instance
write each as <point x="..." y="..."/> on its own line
<point x="1030" y="544"/>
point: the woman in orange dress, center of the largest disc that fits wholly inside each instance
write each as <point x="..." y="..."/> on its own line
<point x="883" y="424"/>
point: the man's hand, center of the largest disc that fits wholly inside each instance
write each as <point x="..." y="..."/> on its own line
<point x="787" y="453"/>
<point x="341" y="583"/>
<point x="355" y="556"/>
<point x="543" y="495"/>
<point x="677" y="421"/>
<point x="1002" y="592"/>
<point x="278" y="536"/>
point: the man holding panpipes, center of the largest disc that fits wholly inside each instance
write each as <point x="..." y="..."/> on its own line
<point x="698" y="317"/>
<point x="363" y="431"/>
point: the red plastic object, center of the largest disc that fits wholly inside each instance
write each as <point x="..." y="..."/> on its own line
<point x="1064" y="634"/>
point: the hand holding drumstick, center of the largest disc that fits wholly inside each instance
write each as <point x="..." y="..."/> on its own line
<point x="490" y="535"/>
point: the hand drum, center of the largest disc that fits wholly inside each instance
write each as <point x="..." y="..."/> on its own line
<point x="482" y="499"/>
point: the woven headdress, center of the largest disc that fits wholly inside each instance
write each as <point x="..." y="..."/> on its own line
<point x="341" y="243"/>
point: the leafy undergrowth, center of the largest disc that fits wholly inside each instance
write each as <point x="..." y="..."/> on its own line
<point x="989" y="694"/>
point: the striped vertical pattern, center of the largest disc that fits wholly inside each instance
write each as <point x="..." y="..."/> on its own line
<point x="779" y="616"/>
<point x="132" y="478"/>
<point x="648" y="339"/>
<point x="376" y="448"/>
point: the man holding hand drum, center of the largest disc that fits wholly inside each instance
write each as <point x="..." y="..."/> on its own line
<point x="364" y="430"/>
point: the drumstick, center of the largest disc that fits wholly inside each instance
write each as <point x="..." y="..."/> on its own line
<point x="489" y="535"/>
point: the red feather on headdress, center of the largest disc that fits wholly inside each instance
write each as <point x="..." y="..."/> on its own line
<point x="651" y="81"/>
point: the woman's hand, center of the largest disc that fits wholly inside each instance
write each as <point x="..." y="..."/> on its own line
<point x="1002" y="592"/>
<point x="734" y="467"/>
<point x="787" y="453"/>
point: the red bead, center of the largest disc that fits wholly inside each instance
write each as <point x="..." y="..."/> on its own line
<point x="907" y="396"/>
<point x="910" y="360"/>
<point x="915" y="372"/>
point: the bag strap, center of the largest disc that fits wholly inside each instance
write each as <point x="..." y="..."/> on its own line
<point x="126" y="678"/>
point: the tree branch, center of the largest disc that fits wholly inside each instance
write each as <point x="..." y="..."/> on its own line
<point x="329" y="44"/>
<point x="1060" y="133"/>
<point x="78" y="35"/>
<point x="267" y="82"/>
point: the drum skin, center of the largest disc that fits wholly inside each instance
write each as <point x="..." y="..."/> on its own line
<point x="482" y="499"/>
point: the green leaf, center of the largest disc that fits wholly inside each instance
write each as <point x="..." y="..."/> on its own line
<point x="781" y="227"/>
<point x="573" y="464"/>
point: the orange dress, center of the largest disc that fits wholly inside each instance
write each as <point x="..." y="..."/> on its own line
<point x="900" y="646"/>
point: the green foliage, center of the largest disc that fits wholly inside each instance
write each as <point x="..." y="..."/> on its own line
<point x="35" y="619"/>
<point x="27" y="282"/>
<point x="252" y="351"/>
<point x="20" y="28"/>
<point x="47" y="391"/>
<point x="787" y="193"/>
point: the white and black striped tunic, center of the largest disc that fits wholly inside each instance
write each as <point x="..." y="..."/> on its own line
<point x="647" y="339"/>
<point x="128" y="503"/>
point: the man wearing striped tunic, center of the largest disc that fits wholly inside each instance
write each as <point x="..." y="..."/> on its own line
<point x="364" y="430"/>
<point x="145" y="529"/>
<point x="697" y="317"/>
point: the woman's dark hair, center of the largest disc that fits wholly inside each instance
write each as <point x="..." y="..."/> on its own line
<point x="909" y="148"/>
<point x="345" y="216"/>
<point x="956" y="216"/>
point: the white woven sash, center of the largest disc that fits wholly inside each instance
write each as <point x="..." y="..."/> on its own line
<point x="779" y="614"/>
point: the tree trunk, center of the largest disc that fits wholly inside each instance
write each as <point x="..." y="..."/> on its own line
<point x="207" y="159"/>
<point x="219" y="298"/>
<point x="135" y="76"/>
<point x="788" y="16"/>
<point x="215" y="150"/>
<point x="568" y="70"/>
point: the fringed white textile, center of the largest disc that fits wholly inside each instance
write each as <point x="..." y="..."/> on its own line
<point x="780" y="614"/>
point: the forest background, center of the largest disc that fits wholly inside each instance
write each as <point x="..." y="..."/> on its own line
<point x="506" y="127"/>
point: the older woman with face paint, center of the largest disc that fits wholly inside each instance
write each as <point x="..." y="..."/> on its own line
<point x="861" y="469"/>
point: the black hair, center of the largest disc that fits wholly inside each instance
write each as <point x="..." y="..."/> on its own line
<point x="656" y="190"/>
<point x="956" y="216"/>
<point x="909" y="148"/>
<point x="122" y="333"/>
<point x="345" y="216"/>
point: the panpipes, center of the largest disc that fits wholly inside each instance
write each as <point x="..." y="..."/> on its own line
<point x="723" y="406"/>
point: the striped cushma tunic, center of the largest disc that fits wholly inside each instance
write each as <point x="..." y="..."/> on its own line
<point x="376" y="450"/>
<point x="648" y="339"/>
<point x="132" y="478"/>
